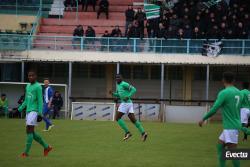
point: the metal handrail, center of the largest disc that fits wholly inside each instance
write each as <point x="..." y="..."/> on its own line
<point x="186" y="45"/>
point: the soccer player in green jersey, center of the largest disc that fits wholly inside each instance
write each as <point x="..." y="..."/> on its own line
<point x="124" y="91"/>
<point x="229" y="101"/>
<point x="34" y="106"/>
<point x="245" y="107"/>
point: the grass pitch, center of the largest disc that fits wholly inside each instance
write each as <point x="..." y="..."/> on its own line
<point x="99" y="144"/>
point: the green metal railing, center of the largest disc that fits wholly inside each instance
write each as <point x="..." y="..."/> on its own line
<point x="133" y="45"/>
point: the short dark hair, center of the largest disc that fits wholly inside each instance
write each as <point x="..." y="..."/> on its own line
<point x="229" y="77"/>
<point x="245" y="85"/>
<point x="3" y="95"/>
<point x="33" y="70"/>
<point x="46" y="79"/>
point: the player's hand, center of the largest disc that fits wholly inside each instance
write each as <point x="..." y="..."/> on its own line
<point x="201" y="122"/>
<point x="39" y="118"/>
<point x="49" y="105"/>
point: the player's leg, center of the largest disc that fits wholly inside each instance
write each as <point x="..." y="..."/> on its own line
<point x="31" y="121"/>
<point x="220" y="147"/>
<point x="122" y="109"/>
<point x="244" y="120"/>
<point x="231" y="138"/>
<point x="137" y="123"/>
<point x="236" y="163"/>
<point x="45" y="117"/>
<point x="29" y="139"/>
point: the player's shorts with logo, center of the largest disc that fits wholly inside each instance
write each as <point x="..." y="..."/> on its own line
<point x="244" y="115"/>
<point x="126" y="108"/>
<point x="31" y="118"/>
<point x="230" y="136"/>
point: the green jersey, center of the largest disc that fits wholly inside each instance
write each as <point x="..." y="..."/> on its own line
<point x="124" y="91"/>
<point x="229" y="101"/>
<point x="246" y="98"/>
<point x="4" y="103"/>
<point x="33" y="98"/>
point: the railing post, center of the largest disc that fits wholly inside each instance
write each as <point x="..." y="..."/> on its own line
<point x="81" y="44"/>
<point x="108" y="45"/>
<point x="161" y="45"/>
<point x="55" y="43"/>
<point x="243" y="47"/>
<point x="134" y="45"/>
<point x="188" y="45"/>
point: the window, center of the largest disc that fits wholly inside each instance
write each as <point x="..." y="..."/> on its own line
<point x="175" y="72"/>
<point x="80" y="70"/>
<point x="155" y="72"/>
<point x="140" y="72"/>
<point x="97" y="71"/>
<point x="200" y="73"/>
<point x="125" y="70"/>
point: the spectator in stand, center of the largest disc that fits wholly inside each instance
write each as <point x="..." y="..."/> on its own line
<point x="130" y="16"/>
<point x="162" y="32"/>
<point x="171" y="32"/>
<point x="90" y="32"/>
<point x="77" y="34"/>
<point x="104" y="40"/>
<point x="241" y="31"/>
<point x="68" y="4"/>
<point x="180" y="34"/>
<point x="116" y="32"/>
<point x="57" y="104"/>
<point x="223" y="31"/>
<point x="4" y="105"/>
<point x="196" y="34"/>
<point x="86" y="3"/>
<point x="140" y="17"/>
<point x="134" y="31"/>
<point x="103" y="8"/>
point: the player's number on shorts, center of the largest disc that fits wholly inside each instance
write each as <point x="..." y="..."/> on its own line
<point x="237" y="100"/>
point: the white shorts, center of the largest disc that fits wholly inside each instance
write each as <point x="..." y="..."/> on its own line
<point x="126" y="108"/>
<point x="31" y="118"/>
<point x="229" y="136"/>
<point x="244" y="115"/>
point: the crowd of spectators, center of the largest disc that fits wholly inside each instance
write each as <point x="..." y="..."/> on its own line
<point x="228" y="19"/>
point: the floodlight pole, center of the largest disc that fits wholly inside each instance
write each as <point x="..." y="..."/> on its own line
<point x="22" y="71"/>
<point x="69" y="85"/>
<point x="162" y="92"/>
<point x="207" y="83"/>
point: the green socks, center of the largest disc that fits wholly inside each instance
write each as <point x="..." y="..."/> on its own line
<point x="29" y="140"/>
<point x="222" y="163"/>
<point x="123" y="125"/>
<point x="236" y="163"/>
<point x="139" y="127"/>
<point x="40" y="140"/>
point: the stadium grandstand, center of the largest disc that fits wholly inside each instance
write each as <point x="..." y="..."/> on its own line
<point x="177" y="56"/>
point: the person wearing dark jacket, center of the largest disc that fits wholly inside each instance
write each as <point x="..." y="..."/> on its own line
<point x="134" y="31"/>
<point x="103" y="7"/>
<point x="57" y="104"/>
<point x="85" y="4"/>
<point x="104" y="40"/>
<point x="116" y="32"/>
<point x="90" y="32"/>
<point x="77" y="34"/>
<point x="140" y="17"/>
<point x="130" y="16"/>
